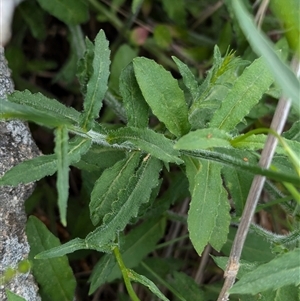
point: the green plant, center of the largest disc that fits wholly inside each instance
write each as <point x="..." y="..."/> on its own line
<point x="195" y="131"/>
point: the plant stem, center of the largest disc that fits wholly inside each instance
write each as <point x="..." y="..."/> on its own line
<point x="278" y="122"/>
<point x="123" y="269"/>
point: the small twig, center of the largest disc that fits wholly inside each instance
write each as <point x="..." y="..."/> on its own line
<point x="277" y="125"/>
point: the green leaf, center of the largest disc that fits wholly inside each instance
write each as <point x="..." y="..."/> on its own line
<point x="188" y="78"/>
<point x="238" y="184"/>
<point x="39" y="167"/>
<point x="294" y="132"/>
<point x="62" y="182"/>
<point x="13" y="297"/>
<point x="204" y="139"/>
<point x="69" y="247"/>
<point x="97" y="85"/>
<point x="244" y="95"/>
<point x="176" y="11"/>
<point x="281" y="271"/>
<point x="68" y="11"/>
<point x="108" y="186"/>
<point x="186" y="284"/>
<point x="137" y="109"/>
<point x="10" y="110"/>
<point x="138" y="191"/>
<point x="54" y="276"/>
<point x="147" y="140"/>
<point x="240" y="159"/>
<point x="135" y="246"/>
<point x="283" y="75"/>
<point x="208" y="216"/>
<point x="45" y="165"/>
<point x="146" y="282"/>
<point x="163" y="95"/>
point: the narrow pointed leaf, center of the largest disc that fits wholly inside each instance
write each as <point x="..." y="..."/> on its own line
<point x="126" y="207"/>
<point x="45" y="105"/>
<point x="187" y="77"/>
<point x="109" y="185"/>
<point x="97" y="85"/>
<point x="45" y="165"/>
<point x="206" y="208"/>
<point x="242" y="160"/>
<point x="137" y="109"/>
<point x="54" y="276"/>
<point x="67" y="248"/>
<point x="10" y="110"/>
<point x="281" y="271"/>
<point x="62" y="182"/>
<point x="245" y="94"/>
<point x="163" y="95"/>
<point x="204" y="139"/>
<point x="147" y="140"/>
<point x="146" y="282"/>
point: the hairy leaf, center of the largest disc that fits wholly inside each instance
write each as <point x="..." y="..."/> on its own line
<point x="136" y="107"/>
<point x="54" y="276"/>
<point x="204" y="139"/>
<point x="282" y="270"/>
<point x="108" y="186"/>
<point x="68" y="11"/>
<point x="62" y="182"/>
<point x="45" y="105"/>
<point x="245" y="94"/>
<point x="97" y="85"/>
<point x="147" y="140"/>
<point x="209" y="209"/>
<point x="45" y="165"/>
<point x="138" y="191"/>
<point x="163" y="95"/>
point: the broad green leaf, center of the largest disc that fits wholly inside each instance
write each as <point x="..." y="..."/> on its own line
<point x="204" y="139"/>
<point x="62" y="182"/>
<point x="146" y="282"/>
<point x="176" y="11"/>
<point x="244" y="95"/>
<point x="283" y="75"/>
<point x="10" y="110"/>
<point x="209" y="209"/>
<point x="135" y="246"/>
<point x="97" y="85"/>
<point x="68" y="11"/>
<point x="54" y="276"/>
<point x="281" y="271"/>
<point x="108" y="186"/>
<point x="294" y="132"/>
<point x="187" y="77"/>
<point x="45" y="165"/>
<point x="13" y="297"/>
<point x="242" y="160"/>
<point x="148" y="141"/>
<point x="137" y="109"/>
<point x="139" y="187"/>
<point x="163" y="95"/>
<point x="186" y="284"/>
